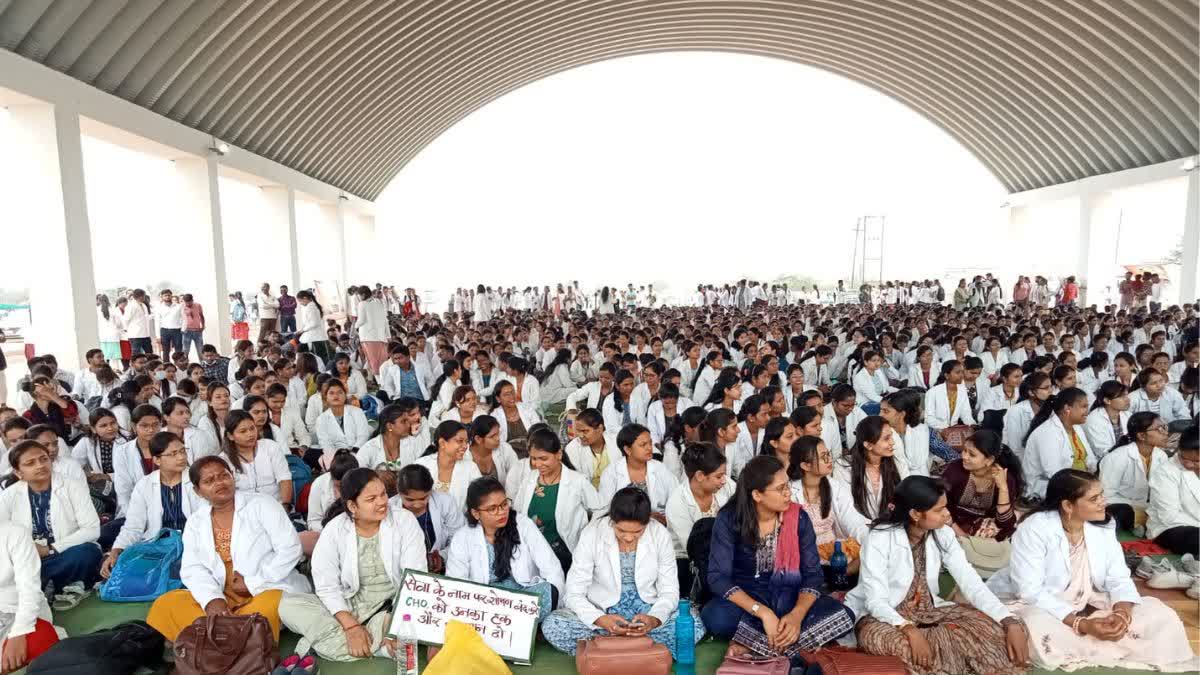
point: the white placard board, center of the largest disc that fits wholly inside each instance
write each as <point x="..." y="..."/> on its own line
<point x="505" y="619"/>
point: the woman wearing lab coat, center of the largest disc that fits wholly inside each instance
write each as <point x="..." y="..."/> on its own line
<point x="341" y="425"/>
<point x="1035" y="392"/>
<point x="897" y="601"/>
<point x="96" y="450"/>
<point x="902" y="410"/>
<point x="1056" y="440"/>
<point x="1005" y="393"/>
<point x="373" y="329"/>
<point x="557" y="384"/>
<point x="311" y="326"/>
<point x="646" y="392"/>
<point x="594" y="448"/>
<point x="239" y="555"/>
<point x="923" y="372"/>
<point x="1066" y="559"/>
<point x="502" y="547"/>
<point x="593" y="394"/>
<point x="133" y="460"/>
<point x="706" y="377"/>
<point x="57" y="514"/>
<point x="491" y="456"/>
<point x="163" y="499"/>
<point x="638" y="467"/>
<point x="994" y="357"/>
<point x="703" y="492"/>
<point x="442" y="392"/>
<point x="324" y="492"/>
<point x="657" y="418"/>
<point x="1173" y="515"/>
<point x="515" y="418"/>
<point x="1107" y="420"/>
<point x="616" y="408"/>
<point x="623" y="582"/>
<point x="259" y="465"/>
<point x="396" y="442"/>
<point x="841" y="417"/>
<point x="869" y="470"/>
<point x="1154" y="395"/>
<point x="942" y="410"/>
<point x="31" y="632"/>
<point x="828" y="503"/>
<point x="526" y="386"/>
<point x="465" y="406"/>
<point x="219" y="405"/>
<point x="437" y="514"/>
<point x="357" y="566"/>
<point x="447" y="462"/>
<point x="557" y="498"/>
<point x="1125" y="472"/>
<point x="177" y="419"/>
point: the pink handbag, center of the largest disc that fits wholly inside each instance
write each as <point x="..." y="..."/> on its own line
<point x="747" y="665"/>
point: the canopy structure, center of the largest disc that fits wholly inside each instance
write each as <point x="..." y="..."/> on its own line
<point x="1041" y="91"/>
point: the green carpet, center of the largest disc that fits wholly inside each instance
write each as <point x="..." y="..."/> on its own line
<point x="92" y="615"/>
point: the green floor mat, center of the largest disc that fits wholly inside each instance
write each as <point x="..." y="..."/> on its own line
<point x="93" y="615"/>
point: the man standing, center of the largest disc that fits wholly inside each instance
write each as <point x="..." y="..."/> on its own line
<point x="193" y="325"/>
<point x="268" y="311"/>
<point x="286" y="311"/>
<point x="169" y="316"/>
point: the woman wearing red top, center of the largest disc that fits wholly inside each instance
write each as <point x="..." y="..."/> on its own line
<point x="1070" y="291"/>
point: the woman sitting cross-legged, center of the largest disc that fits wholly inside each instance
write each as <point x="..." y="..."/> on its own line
<point x="59" y="517"/>
<point x="437" y="514"/>
<point x="239" y="555"/>
<point x="502" y="547"/>
<point x="897" y="602"/>
<point x="765" y="572"/>
<point x="640" y="596"/>
<point x="164" y="498"/>
<point x="1070" y="584"/>
<point x="365" y="547"/>
<point x="27" y="631"/>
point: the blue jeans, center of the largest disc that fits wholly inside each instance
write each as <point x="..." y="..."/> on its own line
<point x="141" y="346"/>
<point x="77" y="564"/>
<point x="191" y="337"/>
<point x="172" y="341"/>
<point x="870" y="407"/>
<point x="287" y="324"/>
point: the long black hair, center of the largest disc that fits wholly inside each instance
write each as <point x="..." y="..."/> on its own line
<point x="445" y="431"/>
<point x="1109" y="390"/>
<point x="508" y="538"/>
<point x="726" y="379"/>
<point x="562" y="357"/>
<point x="870" y="430"/>
<point x="914" y="493"/>
<point x="351" y="485"/>
<point x="756" y="476"/>
<point x="232" y="420"/>
<point x="618" y="402"/>
<point x="1054" y="405"/>
<point x="988" y="443"/>
<point x="448" y="368"/>
<point x="806" y="449"/>
<point x="1068" y="485"/>
<point x="1139" y="423"/>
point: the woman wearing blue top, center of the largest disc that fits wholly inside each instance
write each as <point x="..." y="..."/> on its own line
<point x="765" y="572"/>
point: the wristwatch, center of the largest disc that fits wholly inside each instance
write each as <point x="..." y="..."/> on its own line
<point x="754" y="609"/>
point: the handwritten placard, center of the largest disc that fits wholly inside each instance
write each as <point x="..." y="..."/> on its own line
<point x="505" y="619"/>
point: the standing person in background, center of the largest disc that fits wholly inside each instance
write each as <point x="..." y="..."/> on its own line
<point x="373" y="330"/>
<point x="268" y="311"/>
<point x="239" y="330"/>
<point x="169" y="316"/>
<point x="312" y="330"/>
<point x="287" y="311"/>
<point x="1021" y="291"/>
<point x="137" y="323"/>
<point x="109" y="320"/>
<point x="193" y="326"/>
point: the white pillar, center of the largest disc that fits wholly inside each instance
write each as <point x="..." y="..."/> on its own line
<point x="63" y="295"/>
<point x="1087" y="208"/>
<point x="200" y="214"/>
<point x="281" y="201"/>
<point x="1191" y="240"/>
<point x="335" y="220"/>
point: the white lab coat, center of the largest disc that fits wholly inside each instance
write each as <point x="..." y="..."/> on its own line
<point x="659" y="483"/>
<point x="1174" y="497"/>
<point x="127" y="471"/>
<point x="529" y="417"/>
<point x="1170" y="405"/>
<point x="1016" y="424"/>
<point x="372" y="322"/>
<point x="1124" y="475"/>
<point x="744" y="449"/>
<point x="594" y="582"/>
<point x="993" y="364"/>
<point x="20" y="582"/>
<point x="447" y="517"/>
<point x="841" y="474"/>
<point x="264" y="548"/>
<point x="532" y="562"/>
<point x="639" y="400"/>
<point x="558" y="385"/>
<point x="320" y="498"/>
<point x="887" y="568"/>
<point x="465" y="471"/>
<point x="916" y="377"/>
<point x="291" y="432"/>
<point x="335" y="558"/>
<point x="830" y="433"/>
<point x="72" y="515"/>
<point x="1050" y="451"/>
<point x="1100" y="432"/>
<point x="531" y="391"/>
<point x="372" y="454"/>
<point x="1040" y="567"/>
<point x="683" y="512"/>
<point x="86" y="452"/>
<point x="389" y="380"/>
<point x="354" y="432"/>
<point x="614" y="419"/>
<point x="584" y="460"/>
<point x="309" y="325"/>
<point x="937" y="408"/>
<point x="577" y="501"/>
<point x="815" y="375"/>
<point x="656" y="420"/>
<point x="912" y="449"/>
<point x="143" y="518"/>
<point x="871" y="387"/>
<point x="847" y="521"/>
<point x="588" y="394"/>
<point x="708" y="378"/>
<point x="993" y="398"/>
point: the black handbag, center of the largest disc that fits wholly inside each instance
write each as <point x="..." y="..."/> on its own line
<point x="117" y="651"/>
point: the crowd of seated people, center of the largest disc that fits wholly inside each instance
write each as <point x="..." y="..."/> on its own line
<point x="584" y="448"/>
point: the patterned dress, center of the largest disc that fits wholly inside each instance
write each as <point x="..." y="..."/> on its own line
<point x="963" y="639"/>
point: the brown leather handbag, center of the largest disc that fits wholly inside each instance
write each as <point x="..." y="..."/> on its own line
<point x="232" y="645"/>
<point x="841" y="661"/>
<point x="748" y="665"/>
<point x="616" y="655"/>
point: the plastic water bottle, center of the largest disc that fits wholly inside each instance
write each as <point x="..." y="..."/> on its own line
<point x="406" y="648"/>
<point x="837" y="565"/>
<point x="685" y="640"/>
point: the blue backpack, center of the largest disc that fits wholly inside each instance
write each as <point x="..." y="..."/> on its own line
<point x="146" y="570"/>
<point x="301" y="476"/>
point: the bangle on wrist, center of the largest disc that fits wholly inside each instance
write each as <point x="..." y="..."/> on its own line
<point x="350" y="628"/>
<point x="1075" y="625"/>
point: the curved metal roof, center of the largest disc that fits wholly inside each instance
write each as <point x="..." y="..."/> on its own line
<point x="349" y="91"/>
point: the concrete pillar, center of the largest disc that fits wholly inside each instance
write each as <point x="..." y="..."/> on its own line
<point x="281" y="201"/>
<point x="1191" y="240"/>
<point x="1087" y="209"/>
<point x="335" y="220"/>
<point x="200" y="215"/>
<point x="63" y="298"/>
